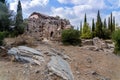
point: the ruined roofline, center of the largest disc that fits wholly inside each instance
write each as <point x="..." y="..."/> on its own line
<point x="40" y="15"/>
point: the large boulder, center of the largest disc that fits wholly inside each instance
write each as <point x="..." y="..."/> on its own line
<point x="26" y="54"/>
<point x="60" y="67"/>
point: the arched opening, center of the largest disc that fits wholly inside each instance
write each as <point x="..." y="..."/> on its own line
<point x="51" y="34"/>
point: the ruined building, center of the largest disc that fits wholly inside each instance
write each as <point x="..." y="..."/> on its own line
<point x="42" y="26"/>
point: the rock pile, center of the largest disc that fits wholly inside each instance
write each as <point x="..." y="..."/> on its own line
<point x="97" y="44"/>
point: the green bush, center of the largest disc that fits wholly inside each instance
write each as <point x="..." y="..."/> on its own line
<point x="116" y="39"/>
<point x="106" y="34"/>
<point x="2" y="36"/>
<point x="71" y="37"/>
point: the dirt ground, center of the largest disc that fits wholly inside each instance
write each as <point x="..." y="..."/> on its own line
<point x="85" y="64"/>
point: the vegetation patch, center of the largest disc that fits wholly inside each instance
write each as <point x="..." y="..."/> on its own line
<point x="71" y="37"/>
<point x="116" y="39"/>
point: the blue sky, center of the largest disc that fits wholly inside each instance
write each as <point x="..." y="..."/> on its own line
<point x="73" y="10"/>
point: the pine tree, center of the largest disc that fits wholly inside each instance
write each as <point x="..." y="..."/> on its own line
<point x="19" y="19"/>
<point x="86" y="32"/>
<point x="99" y="31"/>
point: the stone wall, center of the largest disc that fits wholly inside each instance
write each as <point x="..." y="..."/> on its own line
<point x="42" y="26"/>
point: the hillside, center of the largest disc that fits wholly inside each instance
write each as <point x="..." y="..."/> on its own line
<point x="85" y="64"/>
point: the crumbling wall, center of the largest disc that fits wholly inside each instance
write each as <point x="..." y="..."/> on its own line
<point x="42" y="26"/>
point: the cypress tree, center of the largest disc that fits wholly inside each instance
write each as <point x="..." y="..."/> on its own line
<point x="85" y="19"/>
<point x="109" y="27"/>
<point x="81" y="28"/>
<point x="113" y="23"/>
<point x="99" y="31"/>
<point x="86" y="32"/>
<point x="105" y="24"/>
<point x="19" y="19"/>
<point x="93" y="28"/>
<point x="93" y="25"/>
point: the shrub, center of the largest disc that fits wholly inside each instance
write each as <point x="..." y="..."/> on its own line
<point x="116" y="39"/>
<point x="71" y="37"/>
<point x="2" y="36"/>
<point x="106" y="34"/>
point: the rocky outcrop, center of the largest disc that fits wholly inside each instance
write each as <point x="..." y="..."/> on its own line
<point x="60" y="67"/>
<point x="53" y="60"/>
<point x="26" y="54"/>
<point x="42" y="26"/>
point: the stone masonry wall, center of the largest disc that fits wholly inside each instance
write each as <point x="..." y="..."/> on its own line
<point x="42" y="26"/>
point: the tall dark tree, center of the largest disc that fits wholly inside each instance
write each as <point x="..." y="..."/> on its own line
<point x="109" y="25"/>
<point x="93" y="25"/>
<point x="99" y="31"/>
<point x="85" y="19"/>
<point x="113" y="23"/>
<point x="105" y="24"/>
<point x="4" y="17"/>
<point x="19" y="19"/>
<point x="93" y="28"/>
<point x="81" y="28"/>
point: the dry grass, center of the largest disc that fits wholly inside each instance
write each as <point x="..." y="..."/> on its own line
<point x="20" y="40"/>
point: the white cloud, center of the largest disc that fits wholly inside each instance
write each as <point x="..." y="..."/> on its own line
<point x="13" y="5"/>
<point x="63" y="12"/>
<point x="64" y="1"/>
<point x="26" y="4"/>
<point x="75" y="13"/>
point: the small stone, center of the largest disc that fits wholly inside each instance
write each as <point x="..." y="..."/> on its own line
<point x="88" y="66"/>
<point x="77" y="72"/>
<point x="93" y="72"/>
<point x="37" y="71"/>
<point x="89" y="60"/>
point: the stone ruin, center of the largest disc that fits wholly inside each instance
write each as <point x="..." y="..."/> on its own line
<point x="41" y="26"/>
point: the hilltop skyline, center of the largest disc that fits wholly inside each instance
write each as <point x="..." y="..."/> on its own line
<point x="73" y="10"/>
